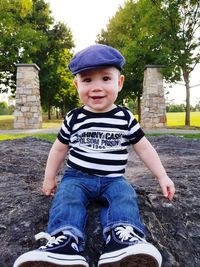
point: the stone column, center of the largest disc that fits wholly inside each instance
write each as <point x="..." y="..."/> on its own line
<point x="153" y="109"/>
<point x="27" y="113"/>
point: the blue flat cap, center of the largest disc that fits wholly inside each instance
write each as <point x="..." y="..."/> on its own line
<point x="96" y="56"/>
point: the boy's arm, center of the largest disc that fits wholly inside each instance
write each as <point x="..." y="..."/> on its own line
<point x="150" y="157"/>
<point x="56" y="156"/>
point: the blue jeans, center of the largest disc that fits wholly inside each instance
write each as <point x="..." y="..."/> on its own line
<point x="69" y="206"/>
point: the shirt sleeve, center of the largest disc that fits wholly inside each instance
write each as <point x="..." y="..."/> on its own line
<point x="65" y="130"/>
<point x="135" y="131"/>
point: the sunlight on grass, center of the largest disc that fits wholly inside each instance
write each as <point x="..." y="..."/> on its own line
<point x="51" y="124"/>
<point x="52" y="137"/>
<point x="48" y="137"/>
<point x="175" y="119"/>
<point x="6" y="122"/>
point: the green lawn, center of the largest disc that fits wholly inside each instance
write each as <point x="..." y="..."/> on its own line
<point x="177" y="119"/>
<point x="174" y="120"/>
<point x="6" y="122"/>
<point x="48" y="137"/>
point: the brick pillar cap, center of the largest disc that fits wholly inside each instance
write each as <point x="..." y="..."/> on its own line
<point x="154" y="66"/>
<point x="27" y="65"/>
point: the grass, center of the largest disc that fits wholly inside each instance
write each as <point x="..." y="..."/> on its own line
<point x="174" y="120"/>
<point x="6" y="122"/>
<point x="48" y="137"/>
<point x="177" y="119"/>
<point x="51" y="137"/>
<point x="187" y="136"/>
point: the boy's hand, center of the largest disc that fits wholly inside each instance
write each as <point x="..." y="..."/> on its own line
<point x="167" y="187"/>
<point x="49" y="187"/>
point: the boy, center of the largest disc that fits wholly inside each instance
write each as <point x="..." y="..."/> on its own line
<point x="96" y="137"/>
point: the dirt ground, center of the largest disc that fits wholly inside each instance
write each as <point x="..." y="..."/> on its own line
<point x="173" y="227"/>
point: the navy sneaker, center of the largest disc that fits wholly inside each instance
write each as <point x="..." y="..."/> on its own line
<point x="124" y="248"/>
<point x="61" y="250"/>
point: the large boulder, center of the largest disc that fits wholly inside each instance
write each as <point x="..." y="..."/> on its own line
<point x="173" y="227"/>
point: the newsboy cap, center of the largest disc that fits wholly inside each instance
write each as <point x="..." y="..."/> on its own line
<point x="95" y="56"/>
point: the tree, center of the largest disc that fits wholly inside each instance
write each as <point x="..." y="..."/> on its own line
<point x="19" y="37"/>
<point x="31" y="37"/>
<point x="3" y="108"/>
<point x="182" y="39"/>
<point x="122" y="33"/>
<point x="156" y="32"/>
<point x="128" y="32"/>
<point x="197" y="106"/>
<point x="55" y="78"/>
<point x="176" y="108"/>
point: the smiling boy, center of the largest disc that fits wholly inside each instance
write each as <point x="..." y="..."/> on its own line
<point x="96" y="138"/>
<point x="98" y="89"/>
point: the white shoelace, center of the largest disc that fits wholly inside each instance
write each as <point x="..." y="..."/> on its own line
<point x="127" y="233"/>
<point x="51" y="239"/>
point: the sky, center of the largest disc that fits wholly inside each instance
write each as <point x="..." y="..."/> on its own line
<point x="86" y="19"/>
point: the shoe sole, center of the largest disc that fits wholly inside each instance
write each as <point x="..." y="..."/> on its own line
<point x="46" y="264"/>
<point x="139" y="255"/>
<point x="139" y="260"/>
<point x="47" y="259"/>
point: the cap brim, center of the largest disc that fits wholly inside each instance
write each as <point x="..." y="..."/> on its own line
<point x="94" y="67"/>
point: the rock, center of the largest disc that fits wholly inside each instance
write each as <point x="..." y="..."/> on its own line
<point x="173" y="227"/>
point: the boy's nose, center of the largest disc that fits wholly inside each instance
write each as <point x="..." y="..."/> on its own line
<point x="96" y="86"/>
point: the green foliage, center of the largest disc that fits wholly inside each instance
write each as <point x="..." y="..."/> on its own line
<point x="56" y="85"/>
<point x="122" y="33"/>
<point x="29" y="35"/>
<point x="181" y="38"/>
<point x="132" y="106"/>
<point x="3" y="108"/>
<point x="176" y="108"/>
<point x="179" y="35"/>
<point x="56" y="80"/>
<point x="158" y="32"/>
<point x="19" y="38"/>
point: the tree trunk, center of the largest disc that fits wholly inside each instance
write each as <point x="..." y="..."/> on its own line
<point x="49" y="112"/>
<point x="57" y="114"/>
<point x="187" y="87"/>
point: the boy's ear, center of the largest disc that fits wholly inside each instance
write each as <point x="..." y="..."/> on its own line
<point x="75" y="83"/>
<point x="121" y="82"/>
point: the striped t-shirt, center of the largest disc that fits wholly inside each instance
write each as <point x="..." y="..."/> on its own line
<point x="98" y="142"/>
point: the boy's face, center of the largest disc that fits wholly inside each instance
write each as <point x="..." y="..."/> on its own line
<point x="98" y="88"/>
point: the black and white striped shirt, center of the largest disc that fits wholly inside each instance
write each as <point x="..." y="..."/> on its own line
<point x="98" y="141"/>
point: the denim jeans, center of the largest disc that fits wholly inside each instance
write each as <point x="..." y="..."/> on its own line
<point x="76" y="189"/>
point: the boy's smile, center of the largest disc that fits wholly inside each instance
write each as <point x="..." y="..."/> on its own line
<point x="98" y="88"/>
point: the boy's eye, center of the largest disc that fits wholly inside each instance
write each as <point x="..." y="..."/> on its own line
<point x="106" y="78"/>
<point x="87" y="80"/>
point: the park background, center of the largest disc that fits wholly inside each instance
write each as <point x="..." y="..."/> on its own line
<point x="28" y="34"/>
<point x="73" y="25"/>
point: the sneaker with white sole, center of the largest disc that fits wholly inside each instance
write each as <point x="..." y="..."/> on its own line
<point x="124" y="248"/>
<point x="61" y="250"/>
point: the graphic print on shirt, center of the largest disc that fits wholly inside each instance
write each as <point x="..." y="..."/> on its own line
<point x="100" y="140"/>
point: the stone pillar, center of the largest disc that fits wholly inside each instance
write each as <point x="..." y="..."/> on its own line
<point x="27" y="113"/>
<point x="153" y="109"/>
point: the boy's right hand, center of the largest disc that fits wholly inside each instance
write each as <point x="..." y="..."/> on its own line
<point x="49" y="187"/>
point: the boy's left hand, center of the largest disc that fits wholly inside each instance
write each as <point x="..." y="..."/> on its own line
<point x="49" y="187"/>
<point x="167" y="186"/>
